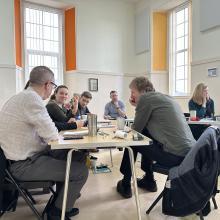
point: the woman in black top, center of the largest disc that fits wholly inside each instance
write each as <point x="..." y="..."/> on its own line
<point x="62" y="116"/>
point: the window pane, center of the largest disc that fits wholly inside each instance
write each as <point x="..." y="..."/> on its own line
<point x="186" y="58"/>
<point x="186" y="28"/>
<point x="180" y="30"/>
<point x="186" y="43"/>
<point x="180" y="17"/>
<point x="180" y="73"/>
<point x="180" y="59"/>
<point x="186" y="14"/>
<point x="180" y="86"/>
<point x="180" y="44"/>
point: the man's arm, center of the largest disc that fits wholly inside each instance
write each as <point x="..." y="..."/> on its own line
<point x="121" y="109"/>
<point x="142" y="114"/>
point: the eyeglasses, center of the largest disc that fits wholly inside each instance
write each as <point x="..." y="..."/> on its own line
<point x="54" y="85"/>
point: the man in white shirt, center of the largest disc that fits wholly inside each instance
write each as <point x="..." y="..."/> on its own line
<point x="25" y="130"/>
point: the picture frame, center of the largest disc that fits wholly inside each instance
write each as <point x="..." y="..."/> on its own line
<point x="93" y="84"/>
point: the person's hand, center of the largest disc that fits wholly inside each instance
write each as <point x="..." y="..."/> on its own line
<point x="79" y="123"/>
<point x="116" y="104"/>
<point x="132" y="102"/>
<point x="71" y="120"/>
<point x="107" y="117"/>
<point x="67" y="106"/>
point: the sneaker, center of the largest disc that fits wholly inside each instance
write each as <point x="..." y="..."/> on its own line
<point x="148" y="184"/>
<point x="124" y="190"/>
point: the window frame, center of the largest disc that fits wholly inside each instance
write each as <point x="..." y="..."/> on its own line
<point x="173" y="52"/>
<point x="59" y="55"/>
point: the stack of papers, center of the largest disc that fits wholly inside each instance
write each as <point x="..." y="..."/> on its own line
<point x="105" y="126"/>
<point x="75" y="133"/>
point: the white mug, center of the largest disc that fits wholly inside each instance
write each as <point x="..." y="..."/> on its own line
<point x="84" y="117"/>
<point x="120" y="123"/>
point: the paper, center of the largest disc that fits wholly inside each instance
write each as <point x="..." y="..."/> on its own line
<point x="105" y="126"/>
<point x="72" y="133"/>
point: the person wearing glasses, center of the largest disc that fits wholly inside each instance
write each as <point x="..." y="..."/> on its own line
<point x="25" y="143"/>
<point x="62" y="116"/>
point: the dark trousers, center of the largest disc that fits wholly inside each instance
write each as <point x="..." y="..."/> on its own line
<point x="150" y="153"/>
<point x="50" y="165"/>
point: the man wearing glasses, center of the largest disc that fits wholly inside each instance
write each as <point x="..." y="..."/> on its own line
<point x="26" y="147"/>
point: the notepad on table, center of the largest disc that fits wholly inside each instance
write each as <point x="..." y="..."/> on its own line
<point x="75" y="133"/>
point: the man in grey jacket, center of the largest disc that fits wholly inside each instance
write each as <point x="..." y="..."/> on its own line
<point x="159" y="117"/>
<point x="25" y="131"/>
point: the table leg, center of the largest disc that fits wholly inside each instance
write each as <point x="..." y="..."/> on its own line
<point x="131" y="156"/>
<point x="68" y="164"/>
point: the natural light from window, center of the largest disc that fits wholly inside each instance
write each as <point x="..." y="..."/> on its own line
<point x="43" y="37"/>
<point x="179" y="51"/>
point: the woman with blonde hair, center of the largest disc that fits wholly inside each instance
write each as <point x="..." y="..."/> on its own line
<point x="201" y="102"/>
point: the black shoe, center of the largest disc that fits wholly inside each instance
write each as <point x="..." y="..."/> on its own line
<point x="72" y="212"/>
<point x="55" y="214"/>
<point x="124" y="190"/>
<point x="148" y="184"/>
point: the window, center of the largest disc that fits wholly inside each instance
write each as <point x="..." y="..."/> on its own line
<point x="43" y="39"/>
<point x="179" y="51"/>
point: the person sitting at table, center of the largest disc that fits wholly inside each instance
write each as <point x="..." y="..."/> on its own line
<point x="61" y="115"/>
<point x="25" y="143"/>
<point x="204" y="107"/>
<point x="160" y="118"/>
<point x="201" y="102"/>
<point x="81" y="104"/>
<point x="115" y="108"/>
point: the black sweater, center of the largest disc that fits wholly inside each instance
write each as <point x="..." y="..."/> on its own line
<point x="60" y="116"/>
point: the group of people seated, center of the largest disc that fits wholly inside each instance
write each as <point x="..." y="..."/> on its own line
<point x="68" y="115"/>
<point x="34" y="125"/>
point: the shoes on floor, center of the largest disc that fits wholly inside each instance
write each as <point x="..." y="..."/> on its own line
<point x="72" y="212"/>
<point x="124" y="190"/>
<point x="148" y="184"/>
<point x="54" y="213"/>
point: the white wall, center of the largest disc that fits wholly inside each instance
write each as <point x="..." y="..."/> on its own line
<point x="7" y="51"/>
<point x="105" y="50"/>
<point x="205" y="53"/>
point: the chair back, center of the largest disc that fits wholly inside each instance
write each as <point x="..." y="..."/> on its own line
<point x="191" y="184"/>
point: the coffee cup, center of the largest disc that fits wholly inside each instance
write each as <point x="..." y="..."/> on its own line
<point x="192" y="115"/>
<point x="84" y="117"/>
<point x="217" y="118"/>
<point x="120" y="123"/>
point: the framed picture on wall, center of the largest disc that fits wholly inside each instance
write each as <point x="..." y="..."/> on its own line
<point x="93" y="84"/>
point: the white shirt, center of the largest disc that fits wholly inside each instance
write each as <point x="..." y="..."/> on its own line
<point x="25" y="126"/>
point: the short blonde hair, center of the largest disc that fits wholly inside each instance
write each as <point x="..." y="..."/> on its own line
<point x="198" y="93"/>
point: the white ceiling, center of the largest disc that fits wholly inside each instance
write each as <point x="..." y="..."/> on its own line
<point x="132" y="1"/>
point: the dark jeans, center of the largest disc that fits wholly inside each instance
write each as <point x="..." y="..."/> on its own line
<point x="150" y="153"/>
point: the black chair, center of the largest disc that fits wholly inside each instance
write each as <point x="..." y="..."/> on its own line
<point x="165" y="170"/>
<point x="9" y="183"/>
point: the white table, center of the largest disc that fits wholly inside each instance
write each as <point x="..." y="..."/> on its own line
<point x="204" y="122"/>
<point x="94" y="142"/>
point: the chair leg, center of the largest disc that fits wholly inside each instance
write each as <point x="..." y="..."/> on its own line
<point x="24" y="196"/>
<point x="201" y="215"/>
<point x="110" y="150"/>
<point x="30" y="197"/>
<point x="155" y="202"/>
<point x="214" y="202"/>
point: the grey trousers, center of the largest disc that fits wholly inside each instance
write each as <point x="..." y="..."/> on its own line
<point x="51" y="166"/>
